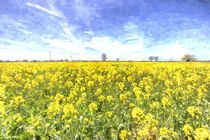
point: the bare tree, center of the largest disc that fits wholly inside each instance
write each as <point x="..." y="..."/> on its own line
<point x="103" y="56"/>
<point x="188" y="58"/>
<point x="151" y="58"/>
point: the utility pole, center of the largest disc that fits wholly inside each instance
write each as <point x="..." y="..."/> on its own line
<point x="71" y="57"/>
<point x="49" y="55"/>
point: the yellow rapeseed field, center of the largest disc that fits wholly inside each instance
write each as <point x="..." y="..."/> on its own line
<point x="105" y="100"/>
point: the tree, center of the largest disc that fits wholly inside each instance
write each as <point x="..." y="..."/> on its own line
<point x="103" y="56"/>
<point x="25" y="60"/>
<point x="156" y="58"/>
<point x="188" y="58"/>
<point x="151" y="58"/>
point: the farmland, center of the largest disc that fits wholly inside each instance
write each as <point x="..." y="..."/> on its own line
<point x="105" y="100"/>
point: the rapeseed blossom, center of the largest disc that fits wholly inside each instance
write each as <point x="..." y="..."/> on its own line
<point x="68" y="108"/>
<point x="137" y="113"/>
<point x="104" y="100"/>
<point x="93" y="107"/>
<point x="202" y="134"/>
<point x="19" y="100"/>
<point x="54" y="107"/>
<point x="188" y="129"/>
<point x="164" y="132"/>
<point x="123" y="134"/>
<point x="191" y="110"/>
<point x="109" y="98"/>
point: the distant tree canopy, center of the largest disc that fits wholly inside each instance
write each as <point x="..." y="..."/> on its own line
<point x="156" y="58"/>
<point x="188" y="58"/>
<point x="151" y="58"/>
<point x="103" y="56"/>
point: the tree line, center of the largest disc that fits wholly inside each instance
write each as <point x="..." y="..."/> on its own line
<point x="185" y="58"/>
<point x="104" y="57"/>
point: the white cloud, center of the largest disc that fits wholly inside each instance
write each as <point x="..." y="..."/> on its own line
<point x="53" y="11"/>
<point x="168" y="51"/>
<point x="20" y="55"/>
<point x="31" y="55"/>
<point x="3" y="48"/>
<point x="114" y="49"/>
<point x="103" y="44"/>
<point x="130" y="27"/>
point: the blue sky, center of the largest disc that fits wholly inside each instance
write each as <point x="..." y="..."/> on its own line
<point x="83" y="29"/>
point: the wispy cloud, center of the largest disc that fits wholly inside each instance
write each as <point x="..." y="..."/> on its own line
<point x="12" y="42"/>
<point x="85" y="29"/>
<point x="67" y="31"/>
<point x="51" y="12"/>
<point x="8" y="21"/>
<point x="84" y="11"/>
<point x="66" y="45"/>
<point x="24" y="31"/>
<point x="89" y="33"/>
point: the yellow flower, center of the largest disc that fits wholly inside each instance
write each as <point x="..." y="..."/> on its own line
<point x="109" y="114"/>
<point x="2" y="107"/>
<point x="34" y="83"/>
<point x="143" y="133"/>
<point x="17" y="117"/>
<point x="67" y="109"/>
<point x="90" y="84"/>
<point x="121" y="86"/>
<point x="164" y="132"/>
<point x="123" y="134"/>
<point x="191" y="110"/>
<point x="130" y="78"/>
<point x="36" y="123"/>
<point x="137" y="113"/>
<point x="101" y="98"/>
<point x="129" y="133"/>
<point x="175" y="135"/>
<point x="93" y="106"/>
<point x="131" y="105"/>
<point x="85" y="120"/>
<point x="27" y="86"/>
<point x="123" y="97"/>
<point x="19" y="100"/>
<point x="188" y="129"/>
<point x="59" y="97"/>
<point x="165" y="101"/>
<point x="109" y="98"/>
<point x="155" y="105"/>
<point x="54" y="107"/>
<point x="84" y="95"/>
<point x="202" y="134"/>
